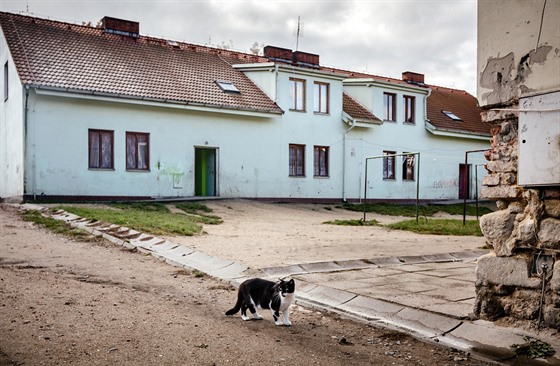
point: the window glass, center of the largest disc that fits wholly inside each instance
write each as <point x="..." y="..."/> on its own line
<point x="321" y="161"/>
<point x="6" y="81"/>
<point x="389" y="107"/>
<point x="389" y="165"/>
<point x="408" y="162"/>
<point x="100" y="153"/>
<point x="297" y="160"/>
<point x="409" y="109"/>
<point x="321" y="97"/>
<point x="297" y="94"/>
<point x="137" y="151"/>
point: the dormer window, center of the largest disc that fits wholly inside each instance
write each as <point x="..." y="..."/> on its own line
<point x="227" y="86"/>
<point x="452" y="116"/>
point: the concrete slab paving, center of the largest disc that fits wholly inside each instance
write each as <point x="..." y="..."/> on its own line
<point x="327" y="296"/>
<point x="321" y="267"/>
<point x="283" y="271"/>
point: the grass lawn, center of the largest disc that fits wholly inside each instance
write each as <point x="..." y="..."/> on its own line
<point x="410" y="210"/>
<point x="154" y="218"/>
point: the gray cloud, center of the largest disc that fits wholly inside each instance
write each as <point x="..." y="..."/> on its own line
<point x="383" y="37"/>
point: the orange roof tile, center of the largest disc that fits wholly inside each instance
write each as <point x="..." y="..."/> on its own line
<point x="461" y="104"/>
<point x="357" y="111"/>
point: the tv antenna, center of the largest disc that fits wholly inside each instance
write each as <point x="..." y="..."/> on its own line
<point x="299" y="31"/>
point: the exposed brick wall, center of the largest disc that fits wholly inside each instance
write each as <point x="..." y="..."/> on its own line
<point x="524" y="234"/>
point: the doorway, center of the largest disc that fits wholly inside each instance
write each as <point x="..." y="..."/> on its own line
<point x="464" y="181"/>
<point x="205" y="172"/>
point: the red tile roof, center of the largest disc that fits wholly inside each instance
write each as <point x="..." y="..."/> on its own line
<point x="461" y="104"/>
<point x="48" y="53"/>
<point x="356" y="110"/>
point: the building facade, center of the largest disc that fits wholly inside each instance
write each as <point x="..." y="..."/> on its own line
<point x="150" y="118"/>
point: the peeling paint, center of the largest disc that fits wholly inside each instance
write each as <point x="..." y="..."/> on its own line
<point x="506" y="79"/>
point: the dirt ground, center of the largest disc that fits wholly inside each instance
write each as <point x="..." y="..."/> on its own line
<point x="255" y="235"/>
<point x="64" y="302"/>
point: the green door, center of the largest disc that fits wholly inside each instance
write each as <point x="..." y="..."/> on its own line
<point x="204" y="172"/>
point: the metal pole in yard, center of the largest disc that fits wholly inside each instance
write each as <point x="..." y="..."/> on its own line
<point x="417" y="185"/>
<point x="365" y="192"/>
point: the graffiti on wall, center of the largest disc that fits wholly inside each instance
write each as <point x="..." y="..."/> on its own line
<point x="444" y="184"/>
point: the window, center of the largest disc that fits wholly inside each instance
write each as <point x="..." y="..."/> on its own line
<point x="227" y="86"/>
<point x="297" y="160"/>
<point x="321" y="161"/>
<point x="408" y="109"/>
<point x="6" y="81"/>
<point x="321" y="98"/>
<point x="389" y="165"/>
<point x="100" y="146"/>
<point x="297" y="94"/>
<point x="408" y="167"/>
<point x="137" y="151"/>
<point x="389" y="106"/>
<point x="452" y="116"/>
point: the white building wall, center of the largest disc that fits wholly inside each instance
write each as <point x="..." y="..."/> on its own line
<point x="252" y="151"/>
<point x="11" y="130"/>
<point x="440" y="156"/>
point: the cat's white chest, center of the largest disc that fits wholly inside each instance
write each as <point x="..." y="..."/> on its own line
<point x="286" y="302"/>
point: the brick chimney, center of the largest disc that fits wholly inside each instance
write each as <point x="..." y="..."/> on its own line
<point x="306" y="59"/>
<point x="297" y="58"/>
<point x="121" y="27"/>
<point x="413" y="77"/>
<point x="277" y="53"/>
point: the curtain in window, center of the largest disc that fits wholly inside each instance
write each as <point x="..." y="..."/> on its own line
<point x="296" y="160"/>
<point x="106" y="150"/>
<point x="131" y="151"/>
<point x="142" y="152"/>
<point x="94" y="149"/>
<point x="389" y="166"/>
<point x="321" y="165"/>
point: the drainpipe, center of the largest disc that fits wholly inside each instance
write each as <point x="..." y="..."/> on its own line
<point x="344" y="160"/>
<point x="26" y="143"/>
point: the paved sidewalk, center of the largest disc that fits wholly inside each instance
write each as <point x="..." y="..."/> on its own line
<point x="429" y="297"/>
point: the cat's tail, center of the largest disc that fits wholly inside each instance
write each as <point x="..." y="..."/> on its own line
<point x="237" y="306"/>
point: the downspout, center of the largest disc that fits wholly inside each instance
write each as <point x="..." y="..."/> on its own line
<point x="26" y="144"/>
<point x="276" y="83"/>
<point x="344" y="160"/>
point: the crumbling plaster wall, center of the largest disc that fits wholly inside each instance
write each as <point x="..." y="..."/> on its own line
<point x="518" y="56"/>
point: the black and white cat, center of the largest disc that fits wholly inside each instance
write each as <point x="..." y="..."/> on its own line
<point x="257" y="293"/>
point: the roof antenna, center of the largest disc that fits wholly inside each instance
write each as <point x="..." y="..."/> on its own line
<point x="27" y="5"/>
<point x="299" y="32"/>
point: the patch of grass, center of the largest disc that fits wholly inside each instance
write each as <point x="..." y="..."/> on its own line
<point x="410" y="210"/>
<point x="142" y="206"/>
<point x="200" y="211"/>
<point x="352" y="222"/>
<point x="146" y="218"/>
<point x="57" y="226"/>
<point x="198" y="274"/>
<point x="533" y="348"/>
<point x="439" y="227"/>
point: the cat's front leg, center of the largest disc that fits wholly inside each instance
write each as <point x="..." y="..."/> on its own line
<point x="286" y="315"/>
<point x="276" y="316"/>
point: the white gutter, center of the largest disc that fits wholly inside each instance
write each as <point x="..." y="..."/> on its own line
<point x="460" y="134"/>
<point x="290" y="69"/>
<point x="121" y="98"/>
<point x="387" y="84"/>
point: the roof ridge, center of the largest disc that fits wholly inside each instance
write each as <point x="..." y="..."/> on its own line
<point x="148" y="38"/>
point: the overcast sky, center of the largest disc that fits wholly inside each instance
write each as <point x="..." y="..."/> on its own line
<point x="384" y="37"/>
